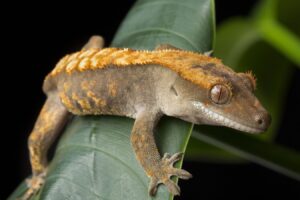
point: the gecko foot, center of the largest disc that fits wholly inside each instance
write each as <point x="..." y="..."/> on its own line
<point x="165" y="172"/>
<point x="33" y="184"/>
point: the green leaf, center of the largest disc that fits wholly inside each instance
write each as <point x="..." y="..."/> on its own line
<point x="276" y="34"/>
<point x="188" y="25"/>
<point x="94" y="159"/>
<point x="199" y="150"/>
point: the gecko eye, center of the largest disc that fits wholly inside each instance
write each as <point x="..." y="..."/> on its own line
<point x="220" y="94"/>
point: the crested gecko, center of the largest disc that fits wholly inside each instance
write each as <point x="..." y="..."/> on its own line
<point x="144" y="85"/>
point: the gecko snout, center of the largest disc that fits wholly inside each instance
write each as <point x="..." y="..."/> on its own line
<point x="263" y="120"/>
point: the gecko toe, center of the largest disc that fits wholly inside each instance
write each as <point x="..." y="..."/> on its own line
<point x="153" y="186"/>
<point x="164" y="173"/>
<point x="170" y="160"/>
<point x="181" y="173"/>
<point x="33" y="184"/>
<point x="173" y="188"/>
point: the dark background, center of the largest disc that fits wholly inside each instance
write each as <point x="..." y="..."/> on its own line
<point x="37" y="36"/>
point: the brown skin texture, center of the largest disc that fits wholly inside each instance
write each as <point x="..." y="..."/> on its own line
<point x="145" y="86"/>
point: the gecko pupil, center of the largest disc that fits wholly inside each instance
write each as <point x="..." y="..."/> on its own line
<point x="220" y="95"/>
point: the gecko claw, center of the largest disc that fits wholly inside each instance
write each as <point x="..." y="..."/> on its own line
<point x="165" y="172"/>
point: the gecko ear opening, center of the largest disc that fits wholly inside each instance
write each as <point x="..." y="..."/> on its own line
<point x="249" y="79"/>
<point x="166" y="46"/>
<point x="173" y="90"/>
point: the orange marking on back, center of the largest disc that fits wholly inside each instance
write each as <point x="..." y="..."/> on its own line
<point x="66" y="86"/>
<point x="98" y="101"/>
<point x="67" y="101"/>
<point x="180" y="61"/>
<point x="84" y="104"/>
<point x="85" y="86"/>
<point x="112" y="88"/>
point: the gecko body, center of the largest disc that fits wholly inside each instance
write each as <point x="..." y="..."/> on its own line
<point x="144" y="85"/>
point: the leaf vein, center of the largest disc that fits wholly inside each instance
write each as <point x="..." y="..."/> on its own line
<point x="108" y="154"/>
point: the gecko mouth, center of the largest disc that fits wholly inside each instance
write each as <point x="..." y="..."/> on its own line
<point x="224" y="121"/>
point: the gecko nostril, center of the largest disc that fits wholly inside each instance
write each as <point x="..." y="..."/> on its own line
<point x="263" y="120"/>
<point x="259" y="121"/>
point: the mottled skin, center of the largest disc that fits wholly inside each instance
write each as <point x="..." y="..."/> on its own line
<point x="144" y="86"/>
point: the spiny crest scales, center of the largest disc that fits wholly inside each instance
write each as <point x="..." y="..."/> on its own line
<point x="179" y="61"/>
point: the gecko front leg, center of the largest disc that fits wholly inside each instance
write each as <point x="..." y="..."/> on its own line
<point x="158" y="169"/>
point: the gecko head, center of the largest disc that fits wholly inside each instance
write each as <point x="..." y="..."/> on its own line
<point x="230" y="101"/>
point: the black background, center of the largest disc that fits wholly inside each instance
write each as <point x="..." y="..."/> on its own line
<point x="36" y="36"/>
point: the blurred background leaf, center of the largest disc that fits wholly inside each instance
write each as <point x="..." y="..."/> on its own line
<point x="277" y="34"/>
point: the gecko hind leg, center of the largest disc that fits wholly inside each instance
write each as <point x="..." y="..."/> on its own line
<point x="49" y="124"/>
